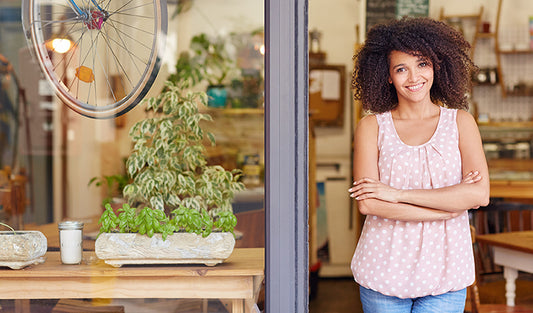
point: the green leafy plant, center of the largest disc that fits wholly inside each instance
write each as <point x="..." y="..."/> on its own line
<point x="114" y="185"/>
<point x="208" y="59"/>
<point x="7" y="226"/>
<point x="171" y="180"/>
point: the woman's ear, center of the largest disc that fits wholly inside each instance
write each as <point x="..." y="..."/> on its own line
<point x="390" y="80"/>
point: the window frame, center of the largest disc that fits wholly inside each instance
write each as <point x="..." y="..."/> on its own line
<point x="286" y="156"/>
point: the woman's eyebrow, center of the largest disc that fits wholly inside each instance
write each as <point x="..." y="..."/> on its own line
<point x="398" y="65"/>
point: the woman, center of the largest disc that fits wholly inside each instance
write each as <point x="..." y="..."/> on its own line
<point x="419" y="166"/>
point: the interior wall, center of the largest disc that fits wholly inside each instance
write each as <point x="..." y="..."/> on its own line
<point x="98" y="147"/>
<point x="216" y="17"/>
<point x="338" y="29"/>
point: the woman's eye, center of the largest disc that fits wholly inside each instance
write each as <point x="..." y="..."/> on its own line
<point x="401" y="69"/>
<point x="423" y="64"/>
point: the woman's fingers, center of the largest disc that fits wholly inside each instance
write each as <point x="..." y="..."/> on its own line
<point x="472" y="177"/>
<point x="362" y="187"/>
<point x="367" y="188"/>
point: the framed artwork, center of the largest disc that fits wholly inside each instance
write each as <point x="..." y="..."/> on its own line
<point x="326" y="95"/>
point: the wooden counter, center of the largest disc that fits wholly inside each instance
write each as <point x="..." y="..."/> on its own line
<point x="511" y="189"/>
<point x="511" y="178"/>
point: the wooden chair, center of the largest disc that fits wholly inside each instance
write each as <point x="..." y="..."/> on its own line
<point x="13" y="196"/>
<point x="473" y="295"/>
<point x="252" y="226"/>
<point x="82" y="306"/>
<point x="501" y="215"/>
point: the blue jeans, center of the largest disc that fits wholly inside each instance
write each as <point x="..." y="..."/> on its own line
<point x="375" y="302"/>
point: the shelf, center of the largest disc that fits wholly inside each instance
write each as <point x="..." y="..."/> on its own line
<point x="509" y="125"/>
<point x="485" y="35"/>
<point x="236" y="111"/>
<point x="528" y="51"/>
<point x="528" y="92"/>
<point x="458" y="16"/>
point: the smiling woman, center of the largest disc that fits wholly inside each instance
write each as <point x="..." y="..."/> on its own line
<point x="419" y="166"/>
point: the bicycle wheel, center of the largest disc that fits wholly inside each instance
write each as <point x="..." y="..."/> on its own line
<point x="115" y="53"/>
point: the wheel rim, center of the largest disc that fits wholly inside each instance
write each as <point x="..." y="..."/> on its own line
<point x="115" y="57"/>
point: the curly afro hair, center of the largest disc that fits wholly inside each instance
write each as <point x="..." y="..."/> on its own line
<point x="444" y="46"/>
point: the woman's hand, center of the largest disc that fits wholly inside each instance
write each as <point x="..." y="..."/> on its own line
<point x="368" y="188"/>
<point x="472" y="177"/>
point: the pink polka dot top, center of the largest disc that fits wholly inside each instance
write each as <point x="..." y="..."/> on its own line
<point x="416" y="259"/>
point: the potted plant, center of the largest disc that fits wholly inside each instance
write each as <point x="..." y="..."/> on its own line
<point x="210" y="61"/>
<point x="173" y="193"/>
<point x="21" y="248"/>
<point x="114" y="185"/>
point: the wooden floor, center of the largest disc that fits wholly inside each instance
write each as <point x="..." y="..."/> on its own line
<point x="340" y="295"/>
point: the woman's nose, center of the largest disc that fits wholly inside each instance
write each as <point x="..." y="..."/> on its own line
<point x="413" y="75"/>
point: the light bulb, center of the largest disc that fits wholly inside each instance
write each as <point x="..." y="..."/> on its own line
<point x="61" y="45"/>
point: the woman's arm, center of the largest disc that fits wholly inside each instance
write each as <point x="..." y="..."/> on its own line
<point x="366" y="165"/>
<point x="472" y="192"/>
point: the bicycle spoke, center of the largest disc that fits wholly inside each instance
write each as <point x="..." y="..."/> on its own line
<point x="120" y="35"/>
<point x="119" y="64"/>
<point x="116" y="44"/>
<point x="129" y="53"/>
<point x="123" y="12"/>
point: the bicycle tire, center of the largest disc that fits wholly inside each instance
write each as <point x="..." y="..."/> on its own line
<point x="116" y="56"/>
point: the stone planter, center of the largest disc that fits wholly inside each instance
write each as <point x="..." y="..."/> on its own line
<point x="23" y="248"/>
<point x="118" y="249"/>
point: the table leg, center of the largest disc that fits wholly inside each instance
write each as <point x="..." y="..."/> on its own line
<point x="510" y="275"/>
<point x="237" y="306"/>
<point x="205" y="305"/>
<point x="22" y="305"/>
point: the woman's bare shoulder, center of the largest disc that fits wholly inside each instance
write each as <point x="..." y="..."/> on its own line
<point x="465" y="118"/>
<point x="368" y="122"/>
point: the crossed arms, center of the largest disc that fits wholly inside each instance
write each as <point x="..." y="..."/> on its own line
<point x="376" y="198"/>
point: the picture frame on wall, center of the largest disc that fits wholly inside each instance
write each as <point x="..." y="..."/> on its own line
<point x="326" y="95"/>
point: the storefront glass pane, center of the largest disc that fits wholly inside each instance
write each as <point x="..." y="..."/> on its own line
<point x="68" y="160"/>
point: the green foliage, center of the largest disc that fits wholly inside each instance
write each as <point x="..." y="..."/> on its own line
<point x="150" y="221"/>
<point x="114" y="185"/>
<point x="208" y="59"/>
<point x="7" y="226"/>
<point x="169" y="172"/>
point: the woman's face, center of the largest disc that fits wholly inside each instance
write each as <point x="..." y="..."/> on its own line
<point x="412" y="76"/>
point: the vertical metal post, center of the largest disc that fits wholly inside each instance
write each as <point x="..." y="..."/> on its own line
<point x="286" y="157"/>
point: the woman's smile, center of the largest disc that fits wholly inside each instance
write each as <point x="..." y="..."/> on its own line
<point x="416" y="87"/>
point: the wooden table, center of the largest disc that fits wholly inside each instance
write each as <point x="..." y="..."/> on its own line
<point x="238" y="279"/>
<point x="513" y="251"/>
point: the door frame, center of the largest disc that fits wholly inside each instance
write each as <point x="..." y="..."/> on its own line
<point x="286" y="156"/>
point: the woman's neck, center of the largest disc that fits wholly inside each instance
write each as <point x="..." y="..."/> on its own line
<point x="415" y="111"/>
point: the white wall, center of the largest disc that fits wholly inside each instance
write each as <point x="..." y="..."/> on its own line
<point x="337" y="20"/>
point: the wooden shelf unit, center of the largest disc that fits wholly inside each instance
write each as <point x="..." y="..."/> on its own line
<point x="480" y="35"/>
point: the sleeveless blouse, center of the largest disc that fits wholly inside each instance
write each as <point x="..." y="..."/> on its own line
<point x="416" y="259"/>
